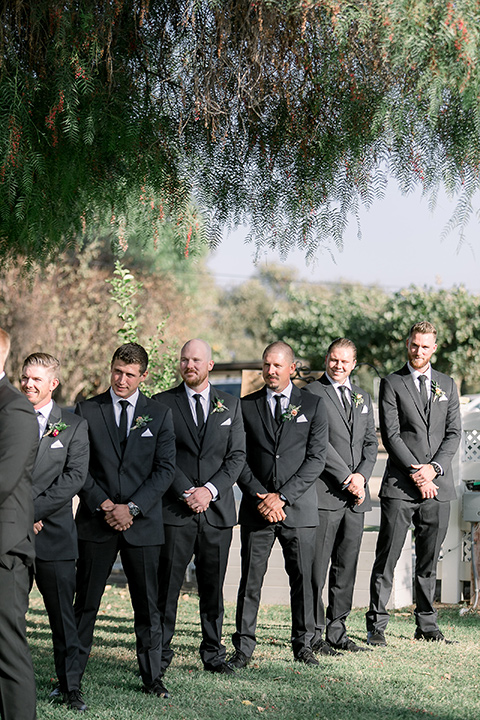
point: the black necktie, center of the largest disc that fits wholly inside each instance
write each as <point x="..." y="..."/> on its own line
<point x="278" y="409"/>
<point x="200" y="415"/>
<point x="423" y="391"/>
<point x="40" y="423"/>
<point x="122" y="428"/>
<point x="346" y="405"/>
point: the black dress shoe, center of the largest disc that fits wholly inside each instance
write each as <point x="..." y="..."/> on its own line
<point x="307" y="657"/>
<point x="377" y="638"/>
<point x="156" y="688"/>
<point x="238" y="660"/>
<point x="433" y="636"/>
<point x="74" y="700"/>
<point x="349" y="646"/>
<point x="222" y="668"/>
<point x="322" y="647"/>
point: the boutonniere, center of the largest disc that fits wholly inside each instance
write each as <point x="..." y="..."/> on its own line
<point x="437" y="392"/>
<point x="291" y="413"/>
<point x="55" y="429"/>
<point x="141" y="421"/>
<point x="218" y="405"/>
<point x="357" y="399"/>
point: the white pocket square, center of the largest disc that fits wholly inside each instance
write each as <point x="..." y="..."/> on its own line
<point x="147" y="433"/>
<point x="443" y="398"/>
<point x="228" y="421"/>
<point x="56" y="444"/>
<point x="364" y="410"/>
<point x="302" y="418"/>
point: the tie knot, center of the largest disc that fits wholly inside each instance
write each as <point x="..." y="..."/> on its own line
<point x="124" y="404"/>
<point x="343" y="389"/>
<point x="422" y="379"/>
<point x="197" y="397"/>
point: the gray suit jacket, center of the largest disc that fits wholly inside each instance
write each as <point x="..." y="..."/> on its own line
<point x="350" y="448"/>
<point x="18" y="445"/>
<point x="412" y="437"/>
<point x="217" y="458"/>
<point x="287" y="462"/>
<point x="59" y="473"/>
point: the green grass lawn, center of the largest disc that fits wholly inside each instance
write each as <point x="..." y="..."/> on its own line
<point x="407" y="679"/>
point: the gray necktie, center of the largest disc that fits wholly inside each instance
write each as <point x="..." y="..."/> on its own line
<point x="346" y="405"/>
<point x="423" y="392"/>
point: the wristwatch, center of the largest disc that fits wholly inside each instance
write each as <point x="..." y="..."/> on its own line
<point x="134" y="509"/>
<point x="436" y="467"/>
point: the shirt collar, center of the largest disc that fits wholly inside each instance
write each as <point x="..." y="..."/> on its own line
<point x="286" y="392"/>
<point x="46" y="410"/>
<point x="337" y="385"/>
<point x="132" y="399"/>
<point x="416" y="373"/>
<point x="191" y="392"/>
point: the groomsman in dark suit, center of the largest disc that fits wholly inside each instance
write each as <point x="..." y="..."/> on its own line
<point x="199" y="508"/>
<point x="287" y="438"/>
<point x="420" y="426"/>
<point x="132" y="461"/>
<point x="343" y="495"/>
<point x="60" y="469"/>
<point x="18" y="445"/>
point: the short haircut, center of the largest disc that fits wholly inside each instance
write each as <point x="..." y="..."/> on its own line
<point x="132" y="354"/>
<point x="203" y="343"/>
<point x="280" y="346"/>
<point x="44" y="360"/>
<point x="343" y="342"/>
<point x="423" y="328"/>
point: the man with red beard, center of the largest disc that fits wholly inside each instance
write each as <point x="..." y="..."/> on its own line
<point x="420" y="426"/>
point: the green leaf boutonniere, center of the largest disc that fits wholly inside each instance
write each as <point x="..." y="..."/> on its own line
<point x="291" y="413"/>
<point x="357" y="399"/>
<point x="437" y="392"/>
<point x="55" y="429"/>
<point x="218" y="405"/>
<point x="141" y="421"/>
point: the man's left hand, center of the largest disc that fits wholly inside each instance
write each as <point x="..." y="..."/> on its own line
<point x="198" y="499"/>
<point x="271" y="507"/>
<point x="119" y="517"/>
<point x="422" y="474"/>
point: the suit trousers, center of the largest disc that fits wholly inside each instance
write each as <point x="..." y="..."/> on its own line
<point x="298" y="549"/>
<point x="210" y="546"/>
<point x="17" y="681"/>
<point x="430" y="520"/>
<point x="141" y="568"/>
<point x="339" y="536"/>
<point x="56" y="581"/>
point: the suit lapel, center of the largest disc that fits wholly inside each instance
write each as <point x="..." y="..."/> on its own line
<point x="285" y="428"/>
<point x="109" y="418"/>
<point x="186" y="413"/>
<point x="407" y="378"/>
<point x="356" y="409"/>
<point x="265" y="414"/>
<point x="333" y="396"/>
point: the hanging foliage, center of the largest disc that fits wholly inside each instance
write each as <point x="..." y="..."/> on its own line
<point x="284" y="113"/>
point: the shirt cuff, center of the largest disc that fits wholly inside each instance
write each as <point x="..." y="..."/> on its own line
<point x="212" y="489"/>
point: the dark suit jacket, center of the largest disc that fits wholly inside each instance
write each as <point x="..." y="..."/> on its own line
<point x="287" y="462"/>
<point x="410" y="437"/>
<point x="350" y="448"/>
<point x="142" y="476"/>
<point x="18" y="445"/>
<point x="218" y="458"/>
<point x="59" y="473"/>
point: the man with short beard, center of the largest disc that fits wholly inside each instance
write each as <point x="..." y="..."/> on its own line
<point x="199" y="508"/>
<point x="420" y="426"/>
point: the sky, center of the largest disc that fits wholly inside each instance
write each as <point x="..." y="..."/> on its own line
<point x="400" y="245"/>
